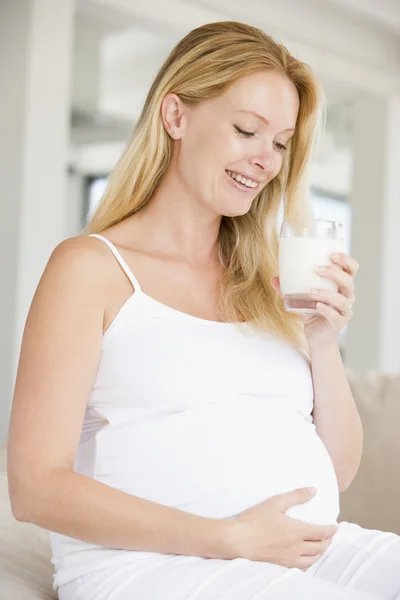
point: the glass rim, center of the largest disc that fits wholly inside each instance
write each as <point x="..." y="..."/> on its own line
<point x="307" y="223"/>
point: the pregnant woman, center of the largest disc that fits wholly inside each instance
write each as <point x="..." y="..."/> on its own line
<point x="169" y="417"/>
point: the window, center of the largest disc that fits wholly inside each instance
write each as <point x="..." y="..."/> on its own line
<point x="96" y="187"/>
<point x="330" y="208"/>
<point x="333" y="209"/>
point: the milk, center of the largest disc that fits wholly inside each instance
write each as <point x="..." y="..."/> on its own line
<point x="298" y="259"/>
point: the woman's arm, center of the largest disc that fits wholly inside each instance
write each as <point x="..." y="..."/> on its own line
<point x="336" y="418"/>
<point x="83" y="508"/>
<point x="58" y="362"/>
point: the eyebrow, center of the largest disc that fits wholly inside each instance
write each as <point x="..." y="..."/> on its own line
<point x="261" y="117"/>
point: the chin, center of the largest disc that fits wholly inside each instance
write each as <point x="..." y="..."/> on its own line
<point x="235" y="211"/>
<point x="234" y="214"/>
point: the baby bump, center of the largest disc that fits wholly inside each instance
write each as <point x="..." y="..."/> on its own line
<point x="311" y="465"/>
<point x="217" y="463"/>
<point x="276" y="455"/>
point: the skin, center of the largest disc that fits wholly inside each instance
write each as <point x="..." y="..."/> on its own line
<point x="209" y="133"/>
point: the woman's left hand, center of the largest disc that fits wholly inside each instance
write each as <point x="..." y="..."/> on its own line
<point x="334" y="308"/>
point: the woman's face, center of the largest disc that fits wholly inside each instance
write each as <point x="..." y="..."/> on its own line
<point x="240" y="134"/>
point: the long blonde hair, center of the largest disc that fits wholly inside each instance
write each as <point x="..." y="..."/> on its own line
<point x="201" y="66"/>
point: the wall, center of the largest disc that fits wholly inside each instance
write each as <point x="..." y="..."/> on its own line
<point x="34" y="120"/>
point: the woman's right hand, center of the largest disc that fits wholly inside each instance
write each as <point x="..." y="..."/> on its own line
<point x="265" y="533"/>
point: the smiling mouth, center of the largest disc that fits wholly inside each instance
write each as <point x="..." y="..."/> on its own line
<point x="242" y="182"/>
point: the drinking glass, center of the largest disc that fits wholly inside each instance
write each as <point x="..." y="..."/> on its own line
<point x="302" y="248"/>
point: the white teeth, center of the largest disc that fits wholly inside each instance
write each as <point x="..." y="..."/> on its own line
<point x="247" y="182"/>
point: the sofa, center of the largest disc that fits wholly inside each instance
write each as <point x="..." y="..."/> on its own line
<point x="372" y="500"/>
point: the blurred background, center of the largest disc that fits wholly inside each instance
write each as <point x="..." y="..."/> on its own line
<point x="73" y="77"/>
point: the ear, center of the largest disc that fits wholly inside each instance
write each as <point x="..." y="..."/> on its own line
<point x="275" y="284"/>
<point x="172" y="113"/>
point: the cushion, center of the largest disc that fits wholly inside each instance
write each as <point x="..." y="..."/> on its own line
<point x="373" y="498"/>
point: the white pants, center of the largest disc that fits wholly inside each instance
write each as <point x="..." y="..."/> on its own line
<point x="360" y="564"/>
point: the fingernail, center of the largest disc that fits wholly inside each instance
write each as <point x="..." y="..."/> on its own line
<point x="335" y="256"/>
<point x="313" y="291"/>
<point x="312" y="490"/>
<point x="321" y="269"/>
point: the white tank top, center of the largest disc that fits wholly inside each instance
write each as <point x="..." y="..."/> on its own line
<point x="205" y="416"/>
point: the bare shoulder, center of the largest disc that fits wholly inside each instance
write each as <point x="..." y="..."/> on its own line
<point x="81" y="263"/>
<point x="78" y="253"/>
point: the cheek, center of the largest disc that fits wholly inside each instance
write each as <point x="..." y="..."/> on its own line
<point x="197" y="167"/>
<point x="204" y="148"/>
<point x="278" y="165"/>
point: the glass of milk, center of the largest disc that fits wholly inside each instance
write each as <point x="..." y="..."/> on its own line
<point x="302" y="248"/>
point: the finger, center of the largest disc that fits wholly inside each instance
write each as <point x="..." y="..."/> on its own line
<point x="333" y="315"/>
<point x="319" y="533"/>
<point x="344" y="281"/>
<point x="334" y="299"/>
<point x="305" y="562"/>
<point x="348" y="264"/>
<point x="288" y="499"/>
<point x="314" y="548"/>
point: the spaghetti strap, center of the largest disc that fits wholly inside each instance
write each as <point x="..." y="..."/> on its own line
<point x="121" y="261"/>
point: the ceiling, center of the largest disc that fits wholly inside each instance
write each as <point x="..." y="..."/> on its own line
<point x="137" y="36"/>
<point x="386" y="12"/>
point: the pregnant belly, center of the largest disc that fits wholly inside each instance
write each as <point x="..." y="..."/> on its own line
<point x="216" y="462"/>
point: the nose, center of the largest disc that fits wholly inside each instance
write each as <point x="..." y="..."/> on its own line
<point x="265" y="160"/>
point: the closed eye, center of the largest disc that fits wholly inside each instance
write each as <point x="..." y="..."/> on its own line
<point x="250" y="134"/>
<point x="247" y="134"/>
<point x="280" y="146"/>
